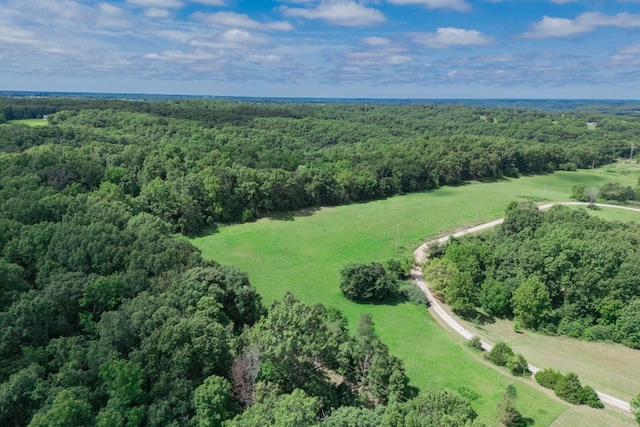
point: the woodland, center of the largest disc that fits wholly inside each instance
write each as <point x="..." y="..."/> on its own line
<point x="109" y="317"/>
<point x="559" y="272"/>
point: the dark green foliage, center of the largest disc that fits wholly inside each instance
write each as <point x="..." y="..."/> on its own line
<point x="560" y="271"/>
<point x="548" y="378"/>
<point x="285" y="410"/>
<point x="431" y="408"/>
<point x="628" y="325"/>
<point x="212" y="401"/>
<point x="500" y="354"/>
<point x="349" y="416"/>
<point x="590" y="397"/>
<point x="367" y="282"/>
<point x="518" y="365"/>
<point x="617" y="192"/>
<point x="568" y="388"/>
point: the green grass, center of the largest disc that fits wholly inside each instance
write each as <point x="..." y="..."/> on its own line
<point x="611" y="368"/>
<point x="29" y="122"/>
<point x="304" y="254"/>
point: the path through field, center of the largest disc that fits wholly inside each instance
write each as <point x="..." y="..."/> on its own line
<point x="453" y="323"/>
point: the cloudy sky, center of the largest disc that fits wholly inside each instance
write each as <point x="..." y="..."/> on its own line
<point x="324" y="48"/>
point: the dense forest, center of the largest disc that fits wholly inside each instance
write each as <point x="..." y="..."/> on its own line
<point x="107" y="317"/>
<point x="560" y="272"/>
<point x="200" y="163"/>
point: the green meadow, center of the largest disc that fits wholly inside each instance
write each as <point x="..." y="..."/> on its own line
<point x="29" y="122"/>
<point x="304" y="252"/>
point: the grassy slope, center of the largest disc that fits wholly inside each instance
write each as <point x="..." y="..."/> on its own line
<point x="304" y="254"/>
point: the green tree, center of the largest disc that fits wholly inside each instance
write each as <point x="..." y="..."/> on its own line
<point x="367" y="282"/>
<point x="212" y="401"/>
<point x="531" y="302"/>
<point x="287" y="410"/>
<point x="68" y="409"/>
<point x="628" y="325"/>
<point x="568" y="388"/>
<point x="500" y="354"/>
<point x="124" y="381"/>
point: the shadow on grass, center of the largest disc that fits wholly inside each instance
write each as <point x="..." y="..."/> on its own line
<point x="525" y="422"/>
<point x="290" y="216"/>
<point x="476" y="316"/>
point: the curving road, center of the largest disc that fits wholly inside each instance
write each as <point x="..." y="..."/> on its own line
<point x="416" y="276"/>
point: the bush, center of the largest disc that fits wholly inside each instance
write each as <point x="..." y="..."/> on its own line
<point x="548" y="378"/>
<point x="568" y="388"/>
<point x="367" y="282"/>
<point x="475" y="343"/>
<point x="600" y="333"/>
<point x="500" y="354"/>
<point x="413" y="293"/>
<point x="617" y="192"/>
<point x="518" y="365"/>
<point x="590" y="397"/>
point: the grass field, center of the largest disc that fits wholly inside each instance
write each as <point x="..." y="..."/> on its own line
<point x="29" y="122"/>
<point x="305" y="253"/>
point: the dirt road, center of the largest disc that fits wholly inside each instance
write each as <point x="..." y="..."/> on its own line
<point x="453" y="323"/>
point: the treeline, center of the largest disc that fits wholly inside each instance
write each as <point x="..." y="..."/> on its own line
<point x="559" y="272"/>
<point x="199" y="163"/>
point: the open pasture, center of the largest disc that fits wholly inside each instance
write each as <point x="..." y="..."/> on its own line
<point x="304" y="254"/>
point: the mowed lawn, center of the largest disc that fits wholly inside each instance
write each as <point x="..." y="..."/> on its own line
<point x="304" y="254"/>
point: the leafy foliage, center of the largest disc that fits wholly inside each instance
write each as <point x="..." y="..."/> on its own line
<point x="561" y="271"/>
<point x="367" y="282"/>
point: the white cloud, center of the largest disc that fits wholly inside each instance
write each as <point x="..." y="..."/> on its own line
<point x="154" y="12"/>
<point x="175" y="35"/>
<point x="584" y="23"/>
<point x="449" y="37"/>
<point x="339" y="12"/>
<point x="110" y="16"/>
<point x="459" y="5"/>
<point x="158" y="4"/>
<point x="231" y="19"/>
<point x="210" y="2"/>
<point x="177" y="55"/>
<point x="13" y="35"/>
<point x="376" y="41"/>
<point x="241" y="37"/>
<point x="264" y="59"/>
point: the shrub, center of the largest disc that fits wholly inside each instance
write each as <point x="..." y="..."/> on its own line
<point x="568" y="388"/>
<point x="500" y="354"/>
<point x="518" y="365"/>
<point x="413" y="293"/>
<point x="475" y="343"/>
<point x="600" y="333"/>
<point x="367" y="282"/>
<point x="590" y="397"/>
<point x="548" y="378"/>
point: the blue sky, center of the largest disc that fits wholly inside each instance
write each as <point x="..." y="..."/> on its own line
<point x="325" y="48"/>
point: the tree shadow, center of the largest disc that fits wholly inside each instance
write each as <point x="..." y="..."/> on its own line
<point x="524" y="422"/>
<point x="475" y="316"/>
<point x="291" y="215"/>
